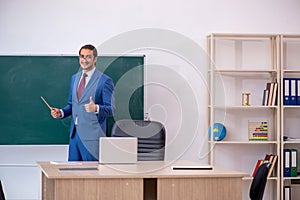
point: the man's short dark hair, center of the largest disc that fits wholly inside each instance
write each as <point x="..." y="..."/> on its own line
<point x="90" y="47"/>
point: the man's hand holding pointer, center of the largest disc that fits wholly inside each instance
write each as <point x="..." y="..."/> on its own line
<point x="55" y="113"/>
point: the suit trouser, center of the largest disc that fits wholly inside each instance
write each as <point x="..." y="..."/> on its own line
<point x="77" y="150"/>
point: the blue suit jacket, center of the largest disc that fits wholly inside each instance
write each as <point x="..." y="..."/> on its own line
<point x="91" y="126"/>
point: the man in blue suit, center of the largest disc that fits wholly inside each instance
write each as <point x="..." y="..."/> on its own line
<point x="90" y="102"/>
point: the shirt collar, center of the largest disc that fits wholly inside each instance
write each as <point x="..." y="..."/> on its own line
<point x="89" y="73"/>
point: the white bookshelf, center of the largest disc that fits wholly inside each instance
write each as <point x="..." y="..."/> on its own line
<point x="290" y="114"/>
<point x="239" y="63"/>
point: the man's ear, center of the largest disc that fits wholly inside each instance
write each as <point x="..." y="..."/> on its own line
<point x="95" y="60"/>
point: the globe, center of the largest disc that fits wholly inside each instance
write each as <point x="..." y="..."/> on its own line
<point x="219" y="132"/>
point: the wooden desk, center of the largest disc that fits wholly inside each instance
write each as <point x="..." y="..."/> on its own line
<point x="144" y="180"/>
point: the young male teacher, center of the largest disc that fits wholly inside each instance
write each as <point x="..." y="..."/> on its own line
<point x="90" y="102"/>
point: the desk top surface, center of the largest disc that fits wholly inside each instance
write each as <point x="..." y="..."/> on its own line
<point x="145" y="169"/>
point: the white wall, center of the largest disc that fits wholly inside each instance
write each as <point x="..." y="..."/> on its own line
<point x="175" y="73"/>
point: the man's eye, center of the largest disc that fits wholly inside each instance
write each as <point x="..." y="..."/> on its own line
<point x="85" y="57"/>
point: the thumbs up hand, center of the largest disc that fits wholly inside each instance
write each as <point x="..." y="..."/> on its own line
<point x="91" y="107"/>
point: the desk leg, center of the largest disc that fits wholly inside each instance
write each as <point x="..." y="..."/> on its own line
<point x="47" y="188"/>
<point x="150" y="189"/>
<point x="199" y="188"/>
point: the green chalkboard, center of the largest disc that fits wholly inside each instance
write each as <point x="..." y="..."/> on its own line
<point x="25" y="119"/>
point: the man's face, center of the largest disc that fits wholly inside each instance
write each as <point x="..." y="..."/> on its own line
<point x="86" y="59"/>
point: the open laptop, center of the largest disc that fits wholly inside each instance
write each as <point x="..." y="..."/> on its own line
<point x="117" y="150"/>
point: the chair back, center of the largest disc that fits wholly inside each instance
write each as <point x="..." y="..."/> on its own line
<point x="2" y="197"/>
<point x="259" y="182"/>
<point x="151" y="137"/>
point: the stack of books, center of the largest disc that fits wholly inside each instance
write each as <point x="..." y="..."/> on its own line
<point x="270" y="94"/>
<point x="258" y="130"/>
<point x="268" y="158"/>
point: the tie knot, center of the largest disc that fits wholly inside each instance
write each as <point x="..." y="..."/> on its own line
<point x="84" y="75"/>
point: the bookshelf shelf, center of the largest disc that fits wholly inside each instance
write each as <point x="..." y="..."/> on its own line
<point x="291" y="178"/>
<point x="246" y="71"/>
<point x="239" y="64"/>
<point x="291" y="106"/>
<point x="292" y="71"/>
<point x="291" y="142"/>
<point x="250" y="178"/>
<point x="258" y="74"/>
<point x="244" y="142"/>
<point x="232" y="107"/>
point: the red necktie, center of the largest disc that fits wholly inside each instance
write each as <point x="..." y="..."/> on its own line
<point x="81" y="86"/>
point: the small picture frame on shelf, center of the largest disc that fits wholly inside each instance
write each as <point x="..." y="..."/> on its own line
<point x="258" y="131"/>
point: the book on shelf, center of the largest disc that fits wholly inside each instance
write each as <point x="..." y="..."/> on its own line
<point x="274" y="98"/>
<point x="293" y="88"/>
<point x="265" y="97"/>
<point x="268" y="87"/>
<point x="258" y="163"/>
<point x="287" y="192"/>
<point x="298" y="91"/>
<point x="286" y="163"/>
<point x="273" y="159"/>
<point x="269" y="158"/>
<point x="294" y="162"/>
<point x="270" y="94"/>
<point x="286" y="91"/>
